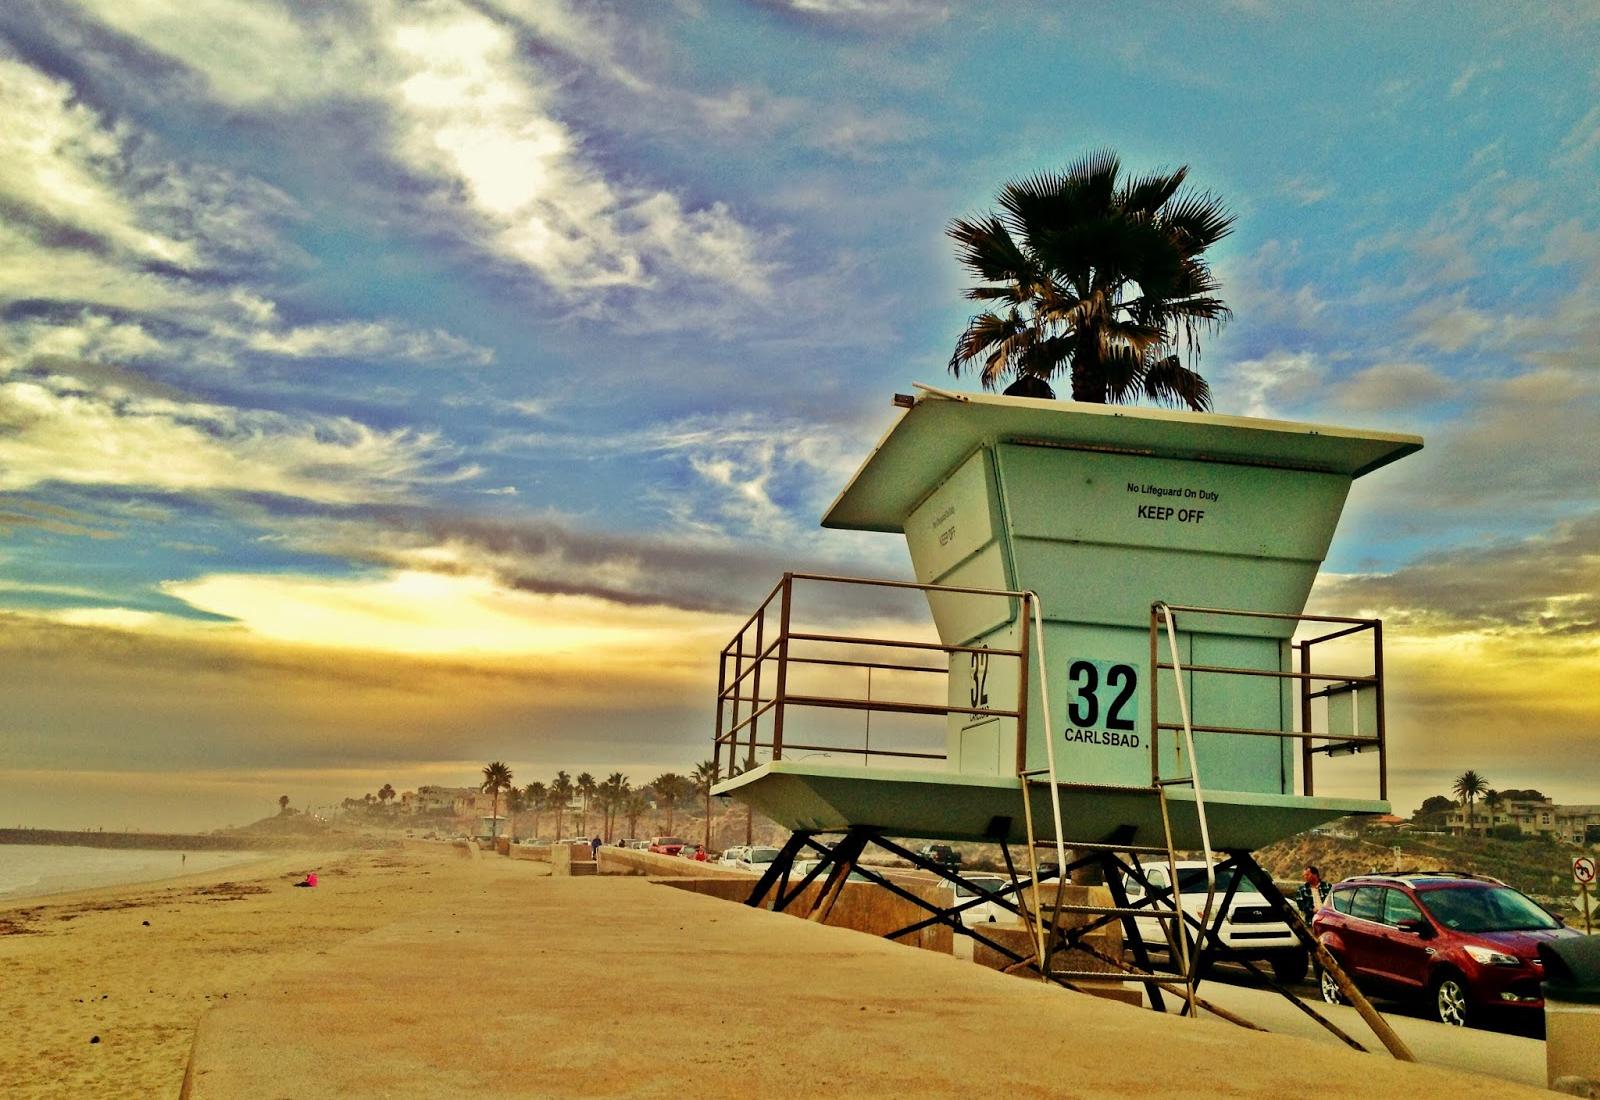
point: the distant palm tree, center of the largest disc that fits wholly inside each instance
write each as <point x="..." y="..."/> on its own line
<point x="634" y="804"/>
<point x="516" y="802"/>
<point x="561" y="800"/>
<point x="671" y="790"/>
<point x="1097" y="277"/>
<point x="385" y="794"/>
<point x="1469" y="785"/>
<point x="536" y="795"/>
<point x="1492" y="801"/>
<point x="586" y="788"/>
<point x="610" y="796"/>
<point x="283" y="803"/>
<point x="496" y="778"/>
<point x="705" y="777"/>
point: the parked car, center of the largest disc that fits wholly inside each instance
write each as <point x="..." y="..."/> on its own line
<point x="1252" y="929"/>
<point x="730" y="856"/>
<point x="639" y="845"/>
<point x="943" y="854"/>
<point x="802" y="868"/>
<point x="755" y="858"/>
<point x="987" y="912"/>
<point x="1465" y="944"/>
<point x="667" y="845"/>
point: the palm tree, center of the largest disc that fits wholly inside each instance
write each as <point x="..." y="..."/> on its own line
<point x="586" y="788"/>
<point x="610" y="795"/>
<point x="536" y="794"/>
<point x="561" y="800"/>
<point x="705" y="777"/>
<point x="385" y="793"/>
<point x="1099" y="278"/>
<point x="516" y="802"/>
<point x="1492" y="801"/>
<point x="283" y="804"/>
<point x="1469" y="785"/>
<point x="670" y="791"/>
<point x="496" y="778"/>
<point x="635" y="803"/>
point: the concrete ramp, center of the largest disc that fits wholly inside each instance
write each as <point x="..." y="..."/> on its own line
<point x="609" y="987"/>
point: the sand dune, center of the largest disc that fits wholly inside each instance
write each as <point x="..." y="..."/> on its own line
<point x="77" y="966"/>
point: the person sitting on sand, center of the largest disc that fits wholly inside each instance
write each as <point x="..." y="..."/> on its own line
<point x="309" y="880"/>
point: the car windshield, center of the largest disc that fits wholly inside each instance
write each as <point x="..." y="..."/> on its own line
<point x="763" y="855"/>
<point x="665" y="840"/>
<point x="980" y="885"/>
<point x="1192" y="880"/>
<point x="1485" y="909"/>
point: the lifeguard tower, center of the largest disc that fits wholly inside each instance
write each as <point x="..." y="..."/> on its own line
<point x="1120" y="655"/>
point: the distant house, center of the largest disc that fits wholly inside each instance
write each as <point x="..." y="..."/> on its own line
<point x="1573" y="824"/>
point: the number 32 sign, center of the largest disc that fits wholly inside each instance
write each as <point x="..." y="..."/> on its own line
<point x="1103" y="703"/>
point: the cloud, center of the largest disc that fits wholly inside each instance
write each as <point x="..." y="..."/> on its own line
<point x="466" y="110"/>
<point x="1545" y="587"/>
<point x="1392" y="387"/>
<point x="1490" y="651"/>
<point x="749" y="473"/>
<point x="57" y="430"/>
<point x="1580" y="142"/>
<point x="118" y="256"/>
<point x="1269" y="386"/>
<point x="872" y="11"/>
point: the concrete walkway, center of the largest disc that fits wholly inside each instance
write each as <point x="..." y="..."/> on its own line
<point x="1473" y="1050"/>
<point x="604" y="987"/>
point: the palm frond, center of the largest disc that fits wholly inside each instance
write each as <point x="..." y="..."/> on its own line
<point x="1169" y="382"/>
<point x="1148" y="194"/>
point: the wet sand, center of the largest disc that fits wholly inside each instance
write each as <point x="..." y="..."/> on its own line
<point x="85" y="964"/>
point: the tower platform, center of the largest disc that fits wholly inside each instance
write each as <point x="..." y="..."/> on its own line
<point x="822" y="796"/>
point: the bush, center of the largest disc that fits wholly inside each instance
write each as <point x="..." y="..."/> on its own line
<point x="1508" y="832"/>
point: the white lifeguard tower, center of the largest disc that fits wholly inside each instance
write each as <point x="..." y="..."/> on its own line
<point x="1119" y="598"/>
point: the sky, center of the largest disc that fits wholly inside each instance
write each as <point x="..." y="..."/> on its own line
<point x="389" y="387"/>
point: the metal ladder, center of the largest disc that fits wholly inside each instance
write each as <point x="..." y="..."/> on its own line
<point x="1047" y="937"/>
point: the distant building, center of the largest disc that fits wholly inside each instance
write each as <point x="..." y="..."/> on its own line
<point x="1574" y="824"/>
<point x="436" y="800"/>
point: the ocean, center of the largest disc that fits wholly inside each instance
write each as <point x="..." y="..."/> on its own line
<point x="30" y="869"/>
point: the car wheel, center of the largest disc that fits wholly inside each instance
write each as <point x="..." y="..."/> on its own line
<point x="1329" y="987"/>
<point x="1290" y="967"/>
<point x="1450" y="1002"/>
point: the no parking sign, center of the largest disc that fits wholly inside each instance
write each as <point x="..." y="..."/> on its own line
<point x="1582" y="870"/>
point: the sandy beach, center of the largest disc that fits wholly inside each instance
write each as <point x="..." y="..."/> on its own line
<point x="138" y="965"/>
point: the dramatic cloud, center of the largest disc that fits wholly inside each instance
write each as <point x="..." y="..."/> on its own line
<point x="468" y="111"/>
<point x="54" y="430"/>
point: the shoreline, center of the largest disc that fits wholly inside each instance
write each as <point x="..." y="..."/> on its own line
<point x="177" y="842"/>
<point x="71" y="895"/>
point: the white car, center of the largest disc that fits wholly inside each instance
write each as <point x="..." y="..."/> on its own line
<point x="988" y="912"/>
<point x="755" y="858"/>
<point x="802" y="868"/>
<point x="730" y="856"/>
<point x="1252" y="928"/>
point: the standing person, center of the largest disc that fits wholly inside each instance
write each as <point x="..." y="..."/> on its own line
<point x="594" y="847"/>
<point x="1312" y="892"/>
<point x="700" y="852"/>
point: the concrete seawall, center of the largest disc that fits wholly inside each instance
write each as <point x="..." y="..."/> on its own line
<point x="862" y="906"/>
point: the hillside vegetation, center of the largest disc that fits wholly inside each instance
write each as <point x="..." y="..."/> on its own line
<point x="1540" y="867"/>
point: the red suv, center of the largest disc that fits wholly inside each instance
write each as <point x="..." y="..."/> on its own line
<point x="1467" y="943"/>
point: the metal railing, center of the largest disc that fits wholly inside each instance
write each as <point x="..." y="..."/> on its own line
<point x="757" y="666"/>
<point x="1333" y="684"/>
